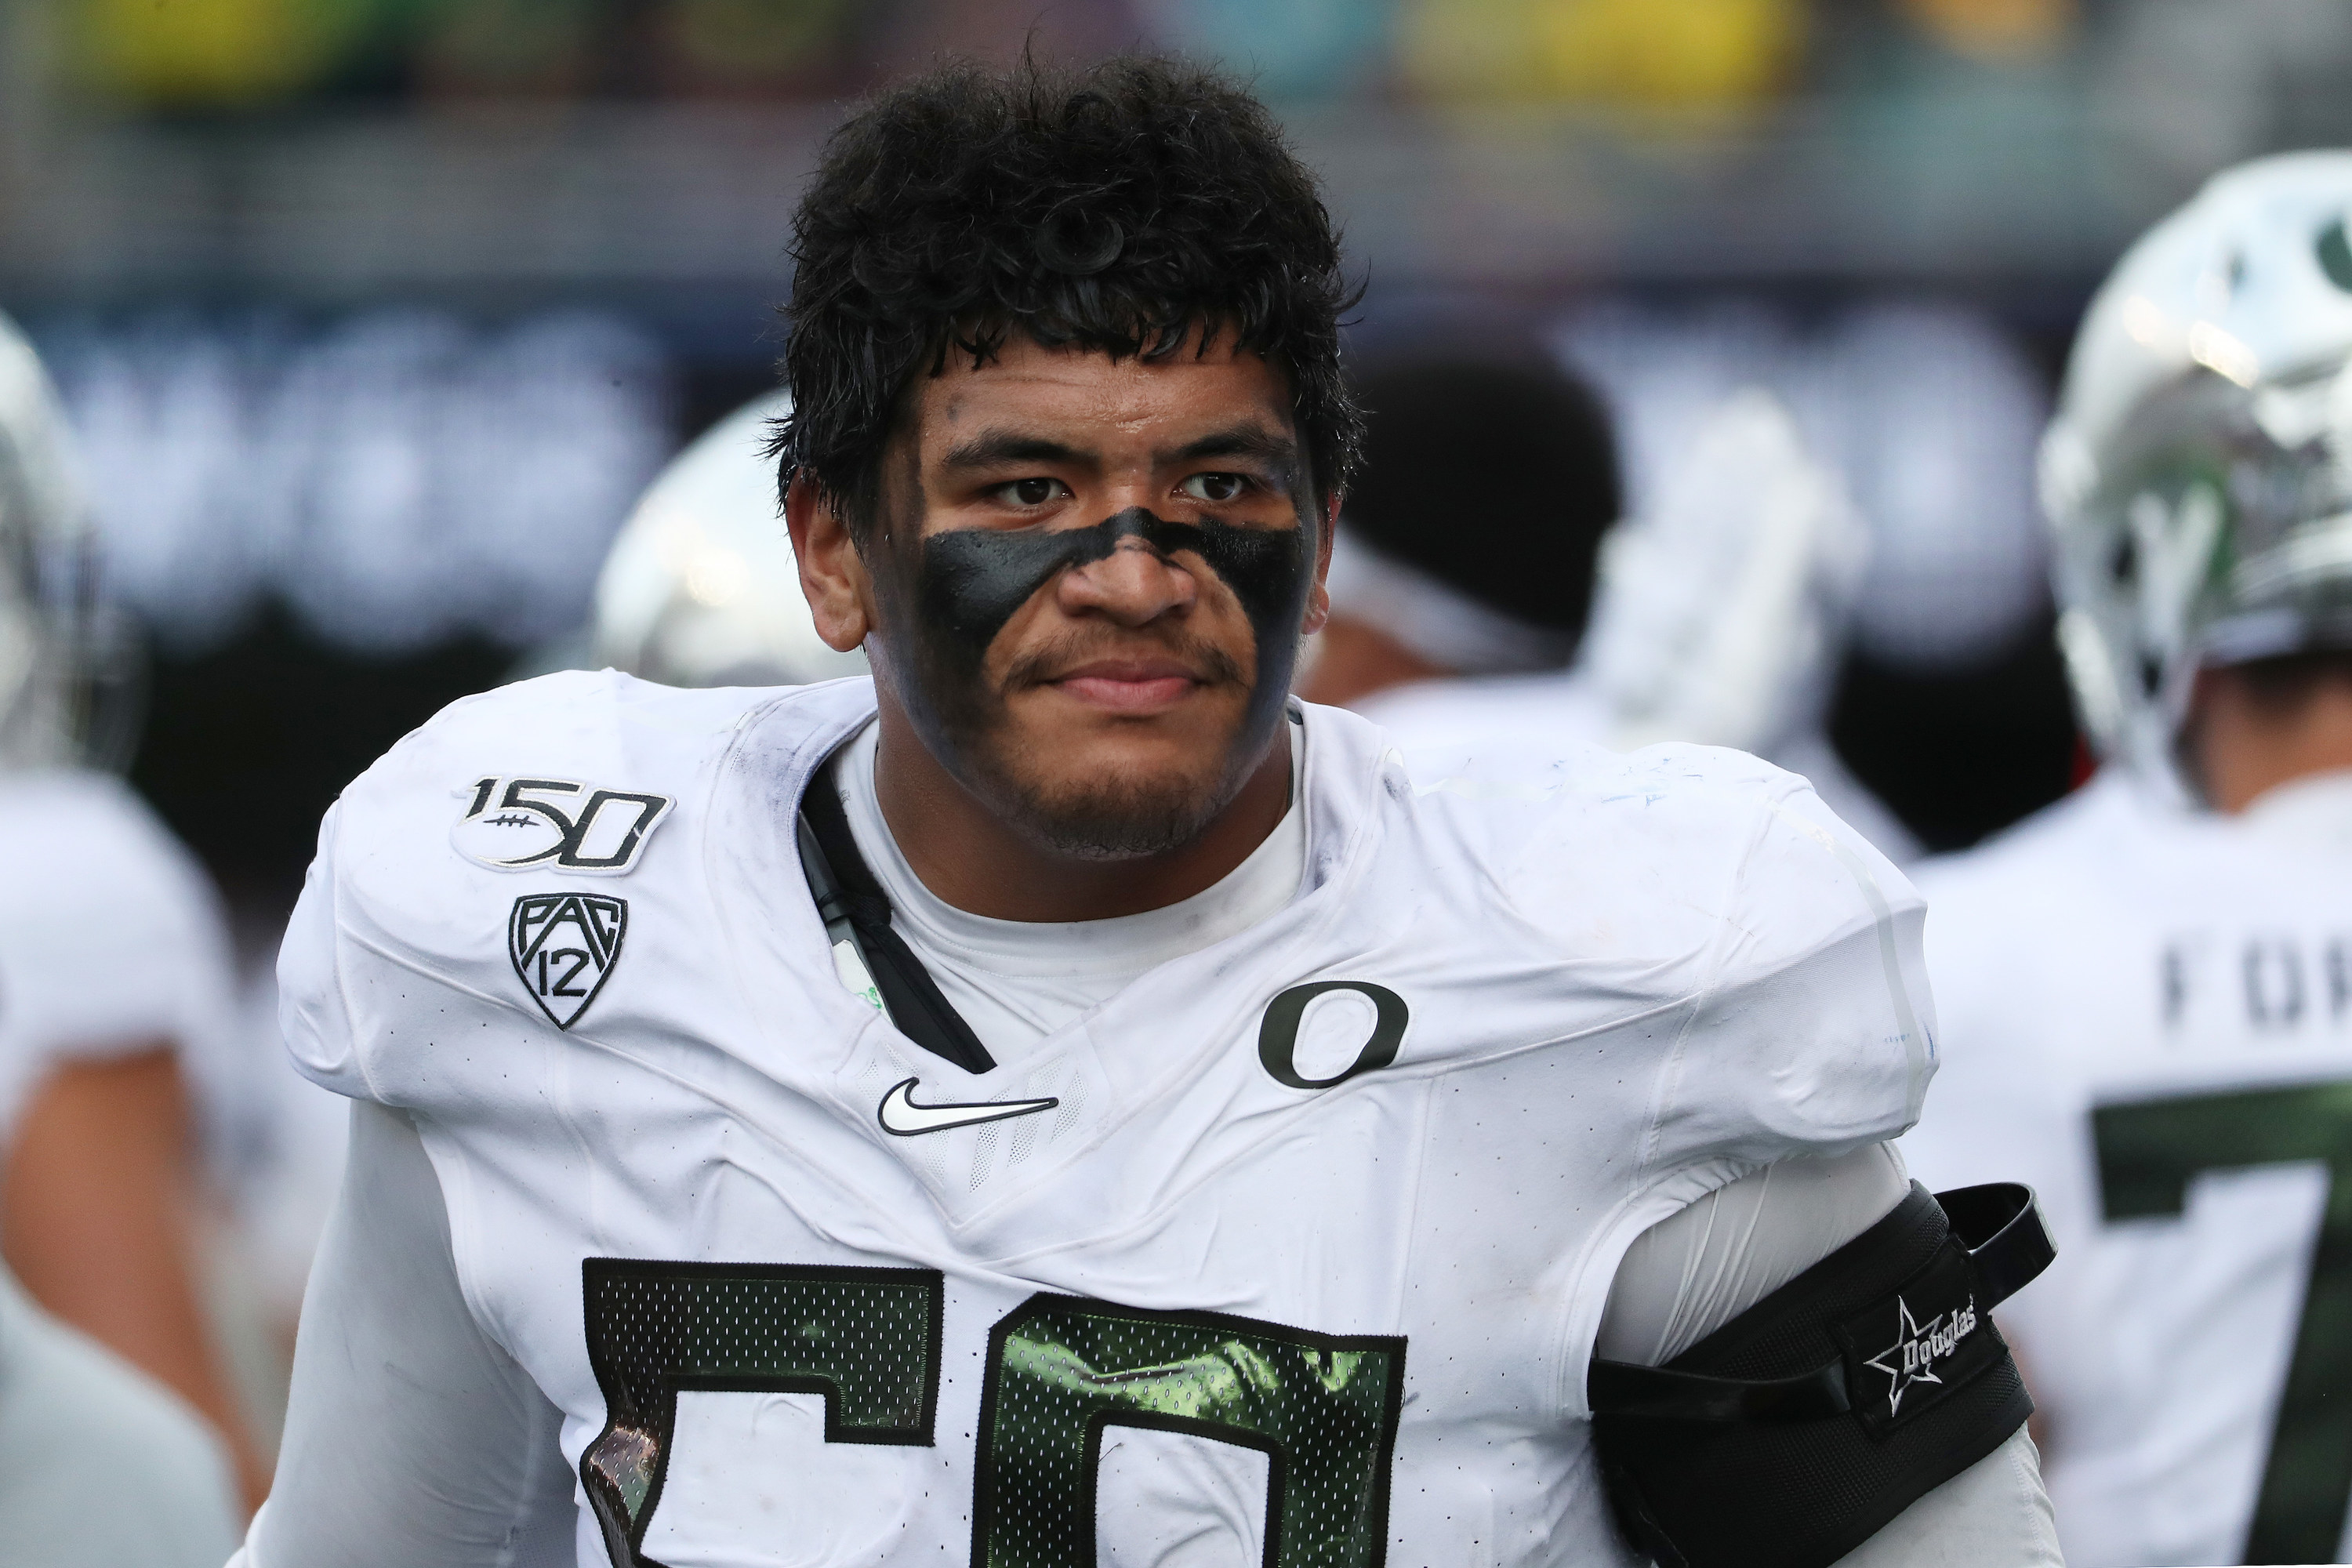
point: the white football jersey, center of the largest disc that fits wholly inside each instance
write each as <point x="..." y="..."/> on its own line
<point x="1292" y="1251"/>
<point x="110" y="938"/>
<point x="2149" y="1015"/>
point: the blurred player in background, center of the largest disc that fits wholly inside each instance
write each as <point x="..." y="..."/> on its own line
<point x="110" y="960"/>
<point x="2146" y="991"/>
<point x="700" y="588"/>
<point x="1479" y="562"/>
<point x="1461" y="590"/>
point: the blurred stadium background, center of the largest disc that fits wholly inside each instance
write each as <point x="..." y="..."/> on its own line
<point x="375" y="315"/>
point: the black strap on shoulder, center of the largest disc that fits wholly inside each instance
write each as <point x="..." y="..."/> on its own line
<point x="2002" y="1225"/>
<point x="854" y="909"/>
<point x="1792" y="1434"/>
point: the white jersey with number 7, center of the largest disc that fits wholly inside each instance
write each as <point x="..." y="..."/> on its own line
<point x="2149" y="1015"/>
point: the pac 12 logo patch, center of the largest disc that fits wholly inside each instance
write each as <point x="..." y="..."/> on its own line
<point x="532" y="825"/>
<point x="564" y="946"/>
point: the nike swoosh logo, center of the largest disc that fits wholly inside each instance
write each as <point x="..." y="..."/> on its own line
<point x="901" y="1117"/>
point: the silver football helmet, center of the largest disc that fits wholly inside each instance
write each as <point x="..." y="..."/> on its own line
<point x="700" y="588"/>
<point x="2197" y="476"/>
<point x="66" y="665"/>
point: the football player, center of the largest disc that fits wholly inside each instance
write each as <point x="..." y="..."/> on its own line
<point x="1479" y="566"/>
<point x="1460" y="593"/>
<point x="700" y="588"/>
<point x="109" y="959"/>
<point x="1062" y="1100"/>
<point x="2147" y="988"/>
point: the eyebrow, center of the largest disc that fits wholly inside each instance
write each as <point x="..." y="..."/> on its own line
<point x="1000" y="449"/>
<point x="992" y="449"/>
<point x="1275" y="451"/>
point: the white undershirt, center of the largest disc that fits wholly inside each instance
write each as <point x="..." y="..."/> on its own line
<point x="1016" y="981"/>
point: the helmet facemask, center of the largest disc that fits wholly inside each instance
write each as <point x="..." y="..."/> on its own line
<point x="2217" y="529"/>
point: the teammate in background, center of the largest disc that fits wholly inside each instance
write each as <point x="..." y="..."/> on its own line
<point x="700" y="588"/>
<point x="2146" y="990"/>
<point x="1460" y="589"/>
<point x="1480" y="565"/>
<point x="1063" y="1100"/>
<point x="109" y="957"/>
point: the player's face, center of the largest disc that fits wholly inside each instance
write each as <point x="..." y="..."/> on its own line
<point x="1090" y="579"/>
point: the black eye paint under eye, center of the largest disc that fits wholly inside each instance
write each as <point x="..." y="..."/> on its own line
<point x="968" y="583"/>
<point x="973" y="579"/>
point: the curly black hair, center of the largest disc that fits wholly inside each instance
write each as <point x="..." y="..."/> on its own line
<point x="1119" y="208"/>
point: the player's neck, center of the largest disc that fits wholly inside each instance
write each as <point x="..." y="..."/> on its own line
<point x="970" y="858"/>
<point x="2243" y="747"/>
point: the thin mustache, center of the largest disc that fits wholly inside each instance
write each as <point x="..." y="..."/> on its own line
<point x="1213" y="665"/>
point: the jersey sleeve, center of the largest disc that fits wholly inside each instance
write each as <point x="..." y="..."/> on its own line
<point x="111" y="937"/>
<point x="1757" y="962"/>
<point x="312" y="1012"/>
<point x="1736" y="972"/>
<point x="1813" y="1031"/>
<point x="1770" y="955"/>
<point x="411" y="1436"/>
<point x="396" y="924"/>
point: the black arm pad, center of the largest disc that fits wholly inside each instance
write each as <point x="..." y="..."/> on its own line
<point x="1790" y="1435"/>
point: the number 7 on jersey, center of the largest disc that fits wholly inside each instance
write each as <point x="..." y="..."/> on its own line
<point x="2148" y="1151"/>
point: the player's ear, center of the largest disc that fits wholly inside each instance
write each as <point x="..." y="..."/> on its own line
<point x="1318" y="598"/>
<point x="833" y="575"/>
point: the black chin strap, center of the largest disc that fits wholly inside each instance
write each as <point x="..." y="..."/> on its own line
<point x="856" y="909"/>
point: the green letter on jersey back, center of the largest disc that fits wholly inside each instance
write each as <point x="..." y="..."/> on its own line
<point x="1060" y="1369"/>
<point x="2147" y="1153"/>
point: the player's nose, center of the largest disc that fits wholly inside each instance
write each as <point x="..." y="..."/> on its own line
<point x="1133" y="586"/>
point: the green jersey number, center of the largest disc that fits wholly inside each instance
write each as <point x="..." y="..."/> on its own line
<point x="867" y="1340"/>
<point x="1061" y="1370"/>
<point x="2148" y="1151"/>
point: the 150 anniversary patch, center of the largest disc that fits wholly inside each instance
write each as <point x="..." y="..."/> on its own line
<point x="563" y="946"/>
<point x="518" y="823"/>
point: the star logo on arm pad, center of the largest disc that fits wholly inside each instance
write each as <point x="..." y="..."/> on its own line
<point x="1918" y="1346"/>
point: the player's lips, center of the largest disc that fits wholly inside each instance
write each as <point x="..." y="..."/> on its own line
<point x="1128" y="685"/>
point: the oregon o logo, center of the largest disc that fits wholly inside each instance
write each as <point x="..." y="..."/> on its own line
<point x="1277" y="1036"/>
